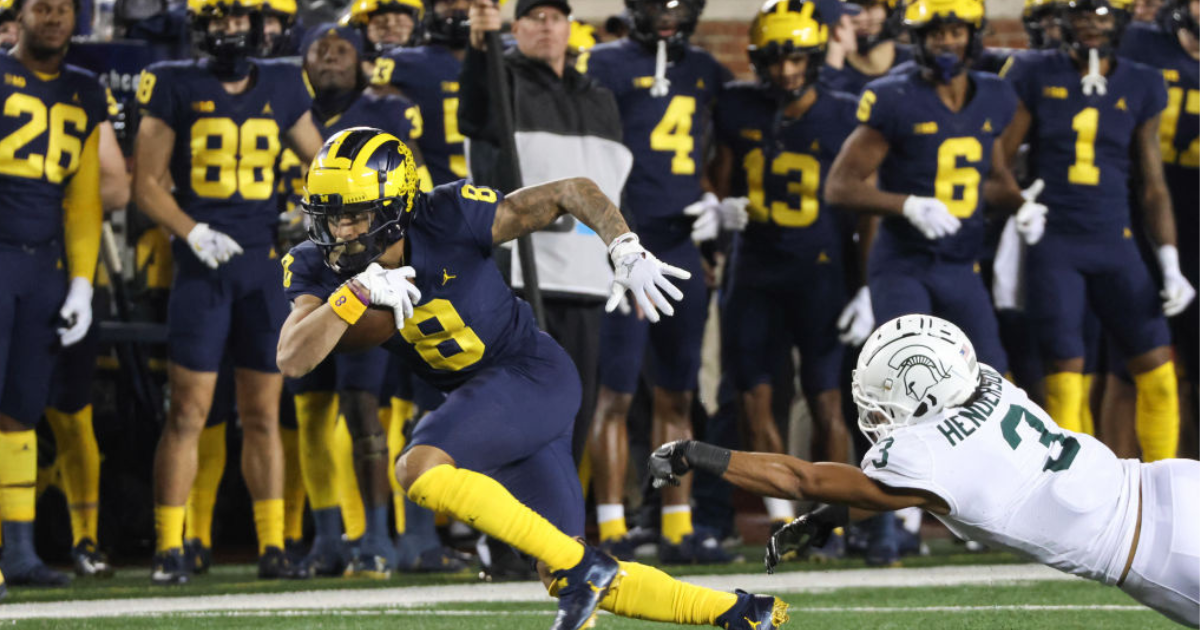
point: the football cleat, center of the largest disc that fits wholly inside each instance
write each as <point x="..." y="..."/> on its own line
<point x="622" y="548"/>
<point x="437" y="560"/>
<point x="754" y="612"/>
<point x="35" y="574"/>
<point x="197" y="556"/>
<point x="499" y="562"/>
<point x="89" y="562"/>
<point x="583" y="587"/>
<point x="273" y="565"/>
<point x="368" y="566"/>
<point x="170" y="568"/>
<point x="693" y="549"/>
<point x="834" y="548"/>
<point x="328" y="556"/>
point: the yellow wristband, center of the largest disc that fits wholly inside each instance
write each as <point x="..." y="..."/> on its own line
<point x="347" y="305"/>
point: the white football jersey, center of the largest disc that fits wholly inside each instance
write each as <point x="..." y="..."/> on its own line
<point x="1015" y="479"/>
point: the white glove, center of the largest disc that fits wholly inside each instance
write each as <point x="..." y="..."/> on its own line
<point x="1177" y="292"/>
<point x="391" y="288"/>
<point x="1031" y="216"/>
<point x="733" y="213"/>
<point x="212" y="247"/>
<point x="930" y="216"/>
<point x="708" y="218"/>
<point x="639" y="272"/>
<point x="857" y="320"/>
<point x="76" y="312"/>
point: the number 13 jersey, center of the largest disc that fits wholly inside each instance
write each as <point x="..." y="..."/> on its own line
<point x="1014" y="479"/>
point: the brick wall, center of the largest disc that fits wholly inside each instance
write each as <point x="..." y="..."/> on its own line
<point x="727" y="41"/>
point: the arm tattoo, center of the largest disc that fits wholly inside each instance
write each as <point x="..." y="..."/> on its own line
<point x="534" y="207"/>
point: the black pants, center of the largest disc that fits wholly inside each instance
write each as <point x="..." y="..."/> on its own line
<point x="575" y="325"/>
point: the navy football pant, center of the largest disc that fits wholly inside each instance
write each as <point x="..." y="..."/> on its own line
<point x="32" y="290"/>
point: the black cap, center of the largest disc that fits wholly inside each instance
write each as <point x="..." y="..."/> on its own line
<point x="525" y="6"/>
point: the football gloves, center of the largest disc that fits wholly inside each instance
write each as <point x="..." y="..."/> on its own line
<point x="639" y="272"/>
<point x="857" y="319"/>
<point x="212" y="247"/>
<point x="76" y="312"/>
<point x="707" y="215"/>
<point x="930" y="217"/>
<point x="391" y="288"/>
<point x="733" y="213"/>
<point x="808" y="531"/>
<point x="673" y="459"/>
<point x="1031" y="217"/>
<point x="1177" y="292"/>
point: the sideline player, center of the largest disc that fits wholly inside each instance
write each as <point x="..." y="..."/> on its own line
<point x="665" y="89"/>
<point x="776" y="139"/>
<point x="1097" y="122"/>
<point x="954" y="438"/>
<point x="875" y="52"/>
<point x="213" y="127"/>
<point x="54" y="209"/>
<point x="387" y="24"/>
<point x="376" y="240"/>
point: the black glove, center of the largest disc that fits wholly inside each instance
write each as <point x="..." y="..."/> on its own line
<point x="807" y="531"/>
<point x="672" y="459"/>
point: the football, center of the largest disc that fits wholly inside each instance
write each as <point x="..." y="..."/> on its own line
<point x="376" y="326"/>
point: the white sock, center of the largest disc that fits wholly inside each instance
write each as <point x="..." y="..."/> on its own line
<point x="606" y="512"/>
<point x="779" y="509"/>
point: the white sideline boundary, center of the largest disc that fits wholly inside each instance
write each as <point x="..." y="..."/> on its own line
<point x="416" y="599"/>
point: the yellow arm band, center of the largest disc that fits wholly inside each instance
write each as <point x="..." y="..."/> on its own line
<point x="83" y="213"/>
<point x="347" y="304"/>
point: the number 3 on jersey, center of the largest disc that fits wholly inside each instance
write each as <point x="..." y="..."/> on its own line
<point x="673" y="134"/>
<point x="1011" y="425"/>
<point x="441" y="337"/>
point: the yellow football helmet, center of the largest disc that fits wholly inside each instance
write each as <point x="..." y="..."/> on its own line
<point x="231" y="50"/>
<point x="582" y="38"/>
<point x="285" y="9"/>
<point x="360" y="192"/>
<point x="361" y="12"/>
<point x="1032" y="17"/>
<point x="1120" y="10"/>
<point x="922" y="16"/>
<point x="782" y="28"/>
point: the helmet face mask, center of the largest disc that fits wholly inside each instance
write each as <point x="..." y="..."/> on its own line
<point x="450" y="27"/>
<point x="360" y="194"/>
<point x="1177" y="15"/>
<point x="672" y="21"/>
<point x="229" y="48"/>
<point x="1092" y="24"/>
<point x="388" y="24"/>
<point x="1041" y="24"/>
<point x="786" y="33"/>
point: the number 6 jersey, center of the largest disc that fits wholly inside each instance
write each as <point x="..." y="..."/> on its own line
<point x="226" y="145"/>
<point x="1014" y="479"/>
<point x="467" y="318"/>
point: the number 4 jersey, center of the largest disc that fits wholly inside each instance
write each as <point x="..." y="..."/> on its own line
<point x="226" y="145"/>
<point x="1014" y="479"/>
<point x="467" y="318"/>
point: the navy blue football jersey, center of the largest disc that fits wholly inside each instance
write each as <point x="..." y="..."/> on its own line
<point x="934" y="152"/>
<point x="990" y="60"/>
<point x="782" y="168"/>
<point x="226" y="145"/>
<point x="1080" y="145"/>
<point x="428" y="75"/>
<point x="666" y="135"/>
<point x="1179" y="130"/>
<point x="45" y="125"/>
<point x="468" y="318"/>
<point x="851" y="81"/>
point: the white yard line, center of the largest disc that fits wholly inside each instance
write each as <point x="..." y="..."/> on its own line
<point x="421" y="596"/>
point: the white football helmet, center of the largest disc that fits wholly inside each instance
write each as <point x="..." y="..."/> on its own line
<point x="910" y="369"/>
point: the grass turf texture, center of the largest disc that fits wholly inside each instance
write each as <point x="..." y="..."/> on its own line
<point x="1073" y="604"/>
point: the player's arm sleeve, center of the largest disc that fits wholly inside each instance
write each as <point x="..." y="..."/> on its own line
<point x="1156" y="97"/>
<point x="300" y="277"/>
<point x="905" y="463"/>
<point x="154" y="96"/>
<point x="874" y="114"/>
<point x="1018" y="72"/>
<point x="477" y="206"/>
<point x="83" y="213"/>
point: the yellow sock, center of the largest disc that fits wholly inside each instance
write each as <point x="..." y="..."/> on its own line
<point x="483" y="503"/>
<point x="1064" y="392"/>
<point x="316" y="415"/>
<point x="18" y="475"/>
<point x="401" y="411"/>
<point x="293" y="485"/>
<point x="1158" y="412"/>
<point x="676" y="522"/>
<point x="168" y="525"/>
<point x="647" y="593"/>
<point x="1087" y="423"/>
<point x="268" y="522"/>
<point x="79" y="465"/>
<point x="585" y="472"/>
<point x="613" y="529"/>
<point x="354" y="516"/>
<point x="210" y="467"/>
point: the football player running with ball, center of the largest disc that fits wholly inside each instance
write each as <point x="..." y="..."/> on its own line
<point x="497" y="453"/>
<point x="954" y="438"/>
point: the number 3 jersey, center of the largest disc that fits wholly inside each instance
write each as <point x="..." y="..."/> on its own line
<point x="468" y="318"/>
<point x="934" y="152"/>
<point x="45" y="127"/>
<point x="1080" y="145"/>
<point x="1014" y="479"/>
<point x="226" y="145"/>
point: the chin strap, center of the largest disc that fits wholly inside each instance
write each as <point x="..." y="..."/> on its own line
<point x="1094" y="82"/>
<point x="661" y="85"/>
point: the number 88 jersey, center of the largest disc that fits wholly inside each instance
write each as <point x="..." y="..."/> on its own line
<point x="45" y="124"/>
<point x="665" y="134"/>
<point x="1012" y="478"/>
<point x="226" y="145"/>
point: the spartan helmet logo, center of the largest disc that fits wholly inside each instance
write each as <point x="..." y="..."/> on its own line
<point x="918" y="370"/>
